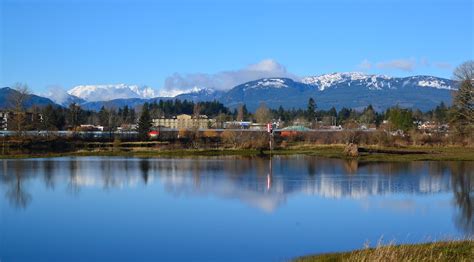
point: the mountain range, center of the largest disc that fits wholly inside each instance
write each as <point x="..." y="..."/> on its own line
<point x="353" y="90"/>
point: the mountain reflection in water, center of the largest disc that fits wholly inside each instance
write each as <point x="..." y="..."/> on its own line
<point x="262" y="183"/>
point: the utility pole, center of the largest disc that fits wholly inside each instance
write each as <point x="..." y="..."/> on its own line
<point x="270" y="131"/>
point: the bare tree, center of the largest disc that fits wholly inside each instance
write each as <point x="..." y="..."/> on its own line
<point x="240" y="113"/>
<point x="220" y="120"/>
<point x="74" y="115"/>
<point x="463" y="99"/>
<point x="263" y="114"/>
<point x="17" y="100"/>
<point x="465" y="71"/>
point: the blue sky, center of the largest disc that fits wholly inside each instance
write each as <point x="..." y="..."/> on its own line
<point x="72" y="42"/>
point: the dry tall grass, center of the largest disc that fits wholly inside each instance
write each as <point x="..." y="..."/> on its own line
<point x="436" y="251"/>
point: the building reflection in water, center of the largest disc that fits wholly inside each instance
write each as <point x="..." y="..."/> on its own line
<point x="264" y="183"/>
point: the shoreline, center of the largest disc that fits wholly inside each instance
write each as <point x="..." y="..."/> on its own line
<point x="367" y="153"/>
<point x="455" y="250"/>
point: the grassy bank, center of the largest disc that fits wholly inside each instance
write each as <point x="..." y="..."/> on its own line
<point x="437" y="251"/>
<point x="380" y="154"/>
<point x="367" y="154"/>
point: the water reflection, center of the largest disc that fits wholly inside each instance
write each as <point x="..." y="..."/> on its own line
<point x="16" y="192"/>
<point x="463" y="189"/>
<point x="263" y="183"/>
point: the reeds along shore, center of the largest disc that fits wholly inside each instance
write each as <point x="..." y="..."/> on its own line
<point x="435" y="251"/>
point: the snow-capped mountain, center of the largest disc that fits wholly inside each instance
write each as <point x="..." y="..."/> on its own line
<point x="200" y="94"/>
<point x="267" y="83"/>
<point x="109" y="92"/>
<point x="195" y="94"/>
<point x="353" y="90"/>
<point x="374" y="82"/>
<point x="335" y="79"/>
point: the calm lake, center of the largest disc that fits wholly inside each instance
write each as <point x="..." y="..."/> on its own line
<point x="224" y="208"/>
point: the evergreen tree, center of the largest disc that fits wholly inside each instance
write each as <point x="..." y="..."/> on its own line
<point x="144" y="123"/>
<point x="311" y="112"/>
<point x="104" y="118"/>
<point x="441" y="113"/>
<point x="400" y="118"/>
<point x="344" y="114"/>
<point x="132" y="117"/>
<point x="125" y="115"/>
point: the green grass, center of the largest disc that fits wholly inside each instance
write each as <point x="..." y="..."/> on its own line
<point x="436" y="251"/>
<point x="376" y="154"/>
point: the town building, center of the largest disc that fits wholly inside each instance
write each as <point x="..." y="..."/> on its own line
<point x="184" y="121"/>
<point x="3" y="120"/>
<point x="29" y="119"/>
<point x="127" y="127"/>
<point x="91" y="128"/>
<point x="237" y="125"/>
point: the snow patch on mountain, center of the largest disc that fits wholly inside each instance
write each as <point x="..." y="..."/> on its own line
<point x="328" y="80"/>
<point x="110" y="92"/>
<point x="267" y="83"/>
<point x="439" y="84"/>
<point x="373" y="82"/>
<point x="195" y="91"/>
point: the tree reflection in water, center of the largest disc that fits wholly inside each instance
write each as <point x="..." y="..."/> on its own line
<point x="145" y="168"/>
<point x="74" y="177"/>
<point x="462" y="176"/>
<point x="16" y="192"/>
<point x="48" y="175"/>
<point x="260" y="182"/>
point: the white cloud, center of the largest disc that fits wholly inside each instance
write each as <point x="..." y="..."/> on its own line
<point x="226" y="79"/>
<point x="56" y="93"/>
<point x="398" y="64"/>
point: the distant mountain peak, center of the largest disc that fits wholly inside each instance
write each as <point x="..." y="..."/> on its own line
<point x="201" y="90"/>
<point x="375" y="82"/>
<point x="198" y="94"/>
<point x="111" y="91"/>
<point x="265" y="83"/>
<point x="328" y="80"/>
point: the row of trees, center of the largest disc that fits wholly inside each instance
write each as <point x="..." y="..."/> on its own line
<point x="58" y="118"/>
